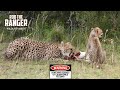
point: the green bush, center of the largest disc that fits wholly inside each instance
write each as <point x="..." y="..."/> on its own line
<point x="57" y="34"/>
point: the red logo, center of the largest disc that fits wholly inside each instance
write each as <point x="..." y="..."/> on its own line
<point x="60" y="67"/>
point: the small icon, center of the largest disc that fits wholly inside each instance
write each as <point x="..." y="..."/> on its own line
<point x="60" y="71"/>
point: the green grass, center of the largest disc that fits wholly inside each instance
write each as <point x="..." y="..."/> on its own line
<point x="40" y="69"/>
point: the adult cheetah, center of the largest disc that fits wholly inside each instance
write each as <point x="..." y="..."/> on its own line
<point x="25" y="48"/>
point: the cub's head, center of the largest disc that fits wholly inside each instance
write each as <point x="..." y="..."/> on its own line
<point x="96" y="32"/>
<point x="66" y="48"/>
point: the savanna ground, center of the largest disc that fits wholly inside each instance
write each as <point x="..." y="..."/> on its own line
<point x="57" y="26"/>
<point x="18" y="69"/>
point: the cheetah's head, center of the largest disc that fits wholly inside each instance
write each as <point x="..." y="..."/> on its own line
<point x="66" y="48"/>
<point x="96" y="32"/>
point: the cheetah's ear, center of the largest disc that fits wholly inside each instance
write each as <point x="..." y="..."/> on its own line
<point x="62" y="44"/>
<point x="92" y="28"/>
<point x="68" y="43"/>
